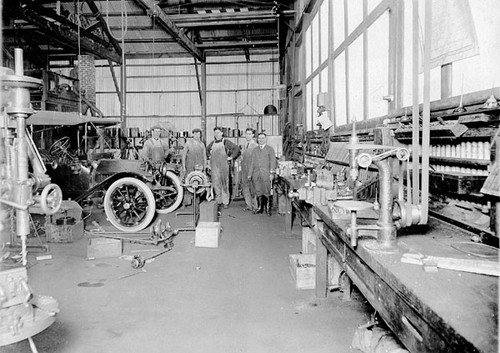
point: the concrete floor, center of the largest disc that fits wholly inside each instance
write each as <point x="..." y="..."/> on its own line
<point x="239" y="297"/>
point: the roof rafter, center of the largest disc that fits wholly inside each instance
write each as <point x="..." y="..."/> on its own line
<point x="171" y="28"/>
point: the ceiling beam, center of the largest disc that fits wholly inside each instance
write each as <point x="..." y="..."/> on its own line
<point x="67" y="37"/>
<point x="239" y="44"/>
<point x="223" y="16"/>
<point x="209" y="24"/>
<point x="171" y="28"/>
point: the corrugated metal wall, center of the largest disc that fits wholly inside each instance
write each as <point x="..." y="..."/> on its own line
<point x="165" y="91"/>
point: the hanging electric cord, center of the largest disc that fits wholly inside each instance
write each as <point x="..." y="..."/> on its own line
<point x="247" y="91"/>
<point x="124" y="20"/>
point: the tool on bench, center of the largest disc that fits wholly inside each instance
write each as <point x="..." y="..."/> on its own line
<point x="432" y="263"/>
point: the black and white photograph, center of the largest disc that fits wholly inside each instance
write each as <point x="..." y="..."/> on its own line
<point x="249" y="176"/>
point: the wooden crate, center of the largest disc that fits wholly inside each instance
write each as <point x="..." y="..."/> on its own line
<point x="303" y="270"/>
<point x="98" y="248"/>
<point x="207" y="234"/>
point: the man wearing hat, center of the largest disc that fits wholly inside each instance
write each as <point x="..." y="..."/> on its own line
<point x="155" y="149"/>
<point x="194" y="157"/>
<point x="221" y="153"/>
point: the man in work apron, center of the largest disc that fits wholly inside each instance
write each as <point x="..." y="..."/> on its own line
<point x="155" y="150"/>
<point x="221" y="153"/>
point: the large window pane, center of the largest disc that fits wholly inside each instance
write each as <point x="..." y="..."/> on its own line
<point x="324" y="29"/>
<point x="315" y="42"/>
<point x="324" y="80"/>
<point x="315" y="92"/>
<point x="354" y="13"/>
<point x="338" y="22"/>
<point x="308" y="108"/>
<point x="340" y="91"/>
<point x="307" y="43"/>
<point x="482" y="71"/>
<point x="356" y="95"/>
<point x="378" y="66"/>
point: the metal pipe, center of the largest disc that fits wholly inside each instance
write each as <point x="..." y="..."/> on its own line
<point x="426" y="114"/>
<point x="353" y="160"/>
<point x="415" y="115"/>
<point x="387" y="230"/>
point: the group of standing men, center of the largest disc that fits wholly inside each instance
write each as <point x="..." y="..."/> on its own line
<point x="258" y="165"/>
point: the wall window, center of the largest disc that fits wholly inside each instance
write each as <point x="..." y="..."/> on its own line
<point x="316" y="38"/>
<point x="378" y="85"/>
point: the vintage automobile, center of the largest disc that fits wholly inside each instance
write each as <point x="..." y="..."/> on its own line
<point x="132" y="190"/>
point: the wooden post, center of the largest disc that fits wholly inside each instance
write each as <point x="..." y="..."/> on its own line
<point x="288" y="215"/>
<point x="204" y="99"/>
<point x="321" y="262"/>
<point x="123" y="90"/>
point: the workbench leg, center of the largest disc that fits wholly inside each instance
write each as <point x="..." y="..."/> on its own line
<point x="321" y="263"/>
<point x="288" y="216"/>
<point x="346" y="287"/>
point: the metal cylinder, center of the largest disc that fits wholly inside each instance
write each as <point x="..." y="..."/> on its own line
<point x="387" y="232"/>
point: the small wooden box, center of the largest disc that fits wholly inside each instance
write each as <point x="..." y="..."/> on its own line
<point x="98" y="248"/>
<point x="207" y="234"/>
<point x="303" y="270"/>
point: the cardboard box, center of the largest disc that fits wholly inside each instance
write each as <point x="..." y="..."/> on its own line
<point x="207" y="234"/>
<point x="303" y="270"/>
<point x="98" y="248"/>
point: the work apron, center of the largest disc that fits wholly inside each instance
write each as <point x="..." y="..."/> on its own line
<point x="220" y="173"/>
<point x="158" y="153"/>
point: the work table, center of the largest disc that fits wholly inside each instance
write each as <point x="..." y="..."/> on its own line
<point x="440" y="311"/>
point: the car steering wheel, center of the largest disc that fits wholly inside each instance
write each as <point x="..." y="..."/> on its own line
<point x="60" y="146"/>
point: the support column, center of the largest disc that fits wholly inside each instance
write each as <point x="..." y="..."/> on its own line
<point x="123" y="91"/>
<point x="204" y="99"/>
<point x="321" y="261"/>
<point x="86" y="76"/>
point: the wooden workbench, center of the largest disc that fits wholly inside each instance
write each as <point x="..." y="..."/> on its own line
<point x="443" y="311"/>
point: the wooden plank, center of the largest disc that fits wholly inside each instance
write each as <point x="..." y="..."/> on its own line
<point x="457" y="264"/>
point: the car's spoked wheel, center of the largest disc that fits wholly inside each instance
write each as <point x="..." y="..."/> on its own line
<point x="169" y="193"/>
<point x="129" y="204"/>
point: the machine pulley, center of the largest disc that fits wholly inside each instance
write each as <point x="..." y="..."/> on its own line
<point x="196" y="182"/>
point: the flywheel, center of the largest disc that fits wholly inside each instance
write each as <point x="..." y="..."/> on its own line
<point x="196" y="180"/>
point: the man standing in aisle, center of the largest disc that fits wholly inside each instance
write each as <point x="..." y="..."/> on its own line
<point x="261" y="173"/>
<point x="221" y="153"/>
<point x="246" y="156"/>
<point x="194" y="157"/>
<point x="155" y="150"/>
